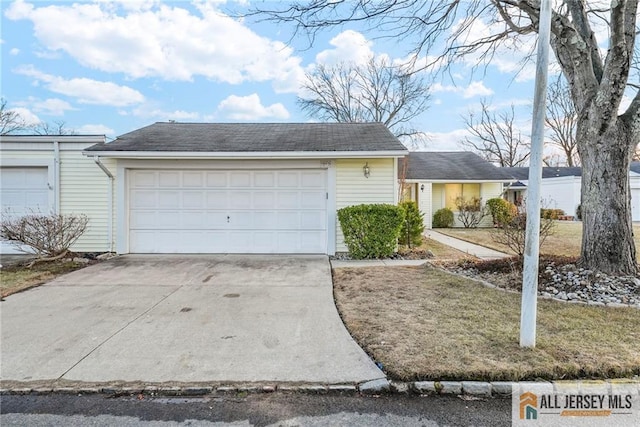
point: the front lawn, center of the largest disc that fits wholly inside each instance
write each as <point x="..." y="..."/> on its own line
<point x="565" y="241"/>
<point x="423" y="323"/>
<point x="17" y="278"/>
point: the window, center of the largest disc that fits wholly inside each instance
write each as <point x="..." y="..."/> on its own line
<point x="453" y="191"/>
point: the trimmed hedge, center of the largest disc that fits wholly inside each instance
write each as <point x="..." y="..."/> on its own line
<point x="371" y="231"/>
<point x="443" y="218"/>
<point x="501" y="210"/>
<point x="413" y="224"/>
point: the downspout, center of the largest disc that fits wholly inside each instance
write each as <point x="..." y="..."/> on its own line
<point x="56" y="176"/>
<point x="110" y="215"/>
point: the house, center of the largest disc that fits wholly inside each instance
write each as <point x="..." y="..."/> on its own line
<point x="435" y="179"/>
<point x="215" y="188"/>
<point x="43" y="174"/>
<point x="561" y="187"/>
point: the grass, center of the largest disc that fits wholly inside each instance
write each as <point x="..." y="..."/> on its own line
<point x="17" y="278"/>
<point x="439" y="250"/>
<point x="566" y="239"/>
<point x="424" y="323"/>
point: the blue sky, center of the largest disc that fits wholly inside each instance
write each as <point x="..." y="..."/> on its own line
<point x="109" y="67"/>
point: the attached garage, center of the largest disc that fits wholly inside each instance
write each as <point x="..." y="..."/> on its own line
<point x="23" y="190"/>
<point x="227" y="211"/>
<point x="245" y="188"/>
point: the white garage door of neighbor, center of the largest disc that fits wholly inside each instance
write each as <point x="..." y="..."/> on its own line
<point x="228" y="211"/>
<point x="635" y="204"/>
<point x="23" y="191"/>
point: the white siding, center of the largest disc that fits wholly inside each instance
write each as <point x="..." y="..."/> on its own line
<point x="561" y="193"/>
<point x="85" y="190"/>
<point x="352" y="188"/>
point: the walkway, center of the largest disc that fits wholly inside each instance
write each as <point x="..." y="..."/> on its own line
<point x="466" y="247"/>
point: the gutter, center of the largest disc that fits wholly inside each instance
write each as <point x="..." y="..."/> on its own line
<point x="56" y="176"/>
<point x="110" y="214"/>
<point x="275" y="155"/>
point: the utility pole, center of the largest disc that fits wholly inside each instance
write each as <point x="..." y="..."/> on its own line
<point x="528" y="313"/>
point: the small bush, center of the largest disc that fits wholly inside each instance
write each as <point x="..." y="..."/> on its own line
<point x="371" y="231"/>
<point x="470" y="211"/>
<point x="49" y="236"/>
<point x="579" y="212"/>
<point x="413" y="224"/>
<point x="443" y="218"/>
<point x="551" y="213"/>
<point x="513" y="233"/>
<point x="501" y="210"/>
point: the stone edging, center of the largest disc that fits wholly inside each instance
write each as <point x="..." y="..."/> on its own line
<point x="479" y="389"/>
<point x="490" y="285"/>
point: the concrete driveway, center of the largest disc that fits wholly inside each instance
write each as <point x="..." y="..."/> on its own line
<point x="183" y="318"/>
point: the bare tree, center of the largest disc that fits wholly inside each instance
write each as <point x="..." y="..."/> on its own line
<point x="597" y="78"/>
<point x="562" y="120"/>
<point x="58" y="127"/>
<point x="374" y="92"/>
<point x="496" y="138"/>
<point x="10" y="121"/>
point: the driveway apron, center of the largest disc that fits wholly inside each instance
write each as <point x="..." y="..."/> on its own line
<point x="156" y="318"/>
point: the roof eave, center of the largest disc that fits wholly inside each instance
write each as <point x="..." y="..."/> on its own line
<point x="453" y="181"/>
<point x="186" y="155"/>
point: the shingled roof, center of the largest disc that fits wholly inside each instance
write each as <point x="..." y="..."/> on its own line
<point x="452" y="166"/>
<point x="522" y="173"/>
<point x="254" y="137"/>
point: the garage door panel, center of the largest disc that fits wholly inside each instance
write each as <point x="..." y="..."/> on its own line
<point x="200" y="211"/>
<point x="143" y="199"/>
<point x="168" y="179"/>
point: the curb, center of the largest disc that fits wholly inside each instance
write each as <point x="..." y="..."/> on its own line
<point x="479" y="389"/>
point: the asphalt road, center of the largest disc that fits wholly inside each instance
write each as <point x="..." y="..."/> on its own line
<point x="252" y="410"/>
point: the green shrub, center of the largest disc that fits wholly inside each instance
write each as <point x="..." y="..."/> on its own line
<point x="371" y="231"/>
<point x="443" y="218"/>
<point x="501" y="210"/>
<point x="579" y="212"/>
<point x="413" y="224"/>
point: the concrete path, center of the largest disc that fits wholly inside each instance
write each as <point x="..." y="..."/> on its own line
<point x="352" y="263"/>
<point x="183" y="318"/>
<point x="466" y="247"/>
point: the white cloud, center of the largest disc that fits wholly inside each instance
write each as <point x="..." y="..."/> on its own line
<point x="51" y="106"/>
<point x="158" y="39"/>
<point x="86" y="91"/>
<point x="349" y="46"/>
<point x="250" y="108"/>
<point x="14" y="51"/>
<point x="446" y="141"/>
<point x="27" y="115"/>
<point x="94" y="130"/>
<point x="163" y="115"/>
<point x="476" y="89"/>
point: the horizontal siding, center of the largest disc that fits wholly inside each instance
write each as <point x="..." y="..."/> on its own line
<point x="352" y="188"/>
<point x="85" y="191"/>
<point x="23" y="154"/>
<point x="424" y="202"/>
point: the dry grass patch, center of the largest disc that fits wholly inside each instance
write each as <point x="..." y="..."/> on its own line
<point x="17" y="278"/>
<point x="565" y="240"/>
<point x="424" y="323"/>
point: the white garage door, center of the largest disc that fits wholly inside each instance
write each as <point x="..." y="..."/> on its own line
<point x="237" y="211"/>
<point x="635" y="204"/>
<point x="22" y="191"/>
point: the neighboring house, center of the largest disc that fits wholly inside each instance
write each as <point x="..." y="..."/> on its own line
<point x="435" y="179"/>
<point x="561" y="187"/>
<point x="44" y="174"/>
<point x="218" y="188"/>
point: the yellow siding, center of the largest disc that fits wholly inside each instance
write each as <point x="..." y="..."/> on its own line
<point x="85" y="191"/>
<point x="352" y="188"/>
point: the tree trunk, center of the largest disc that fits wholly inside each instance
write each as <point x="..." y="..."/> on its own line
<point x="607" y="232"/>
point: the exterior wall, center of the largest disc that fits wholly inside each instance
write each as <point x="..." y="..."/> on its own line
<point x="352" y="188"/>
<point x="82" y="187"/>
<point x="561" y="193"/>
<point x="85" y="190"/>
<point x="425" y="202"/>
<point x="488" y="190"/>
